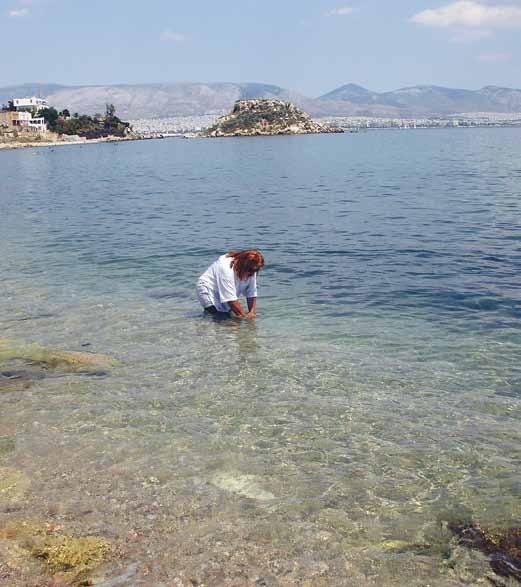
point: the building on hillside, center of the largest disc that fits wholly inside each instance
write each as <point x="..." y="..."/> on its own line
<point x="30" y="104"/>
<point x="25" y="115"/>
<point x="14" y="120"/>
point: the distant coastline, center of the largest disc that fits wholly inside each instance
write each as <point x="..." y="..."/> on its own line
<point x="4" y="146"/>
<point x="173" y="126"/>
<point x="191" y="127"/>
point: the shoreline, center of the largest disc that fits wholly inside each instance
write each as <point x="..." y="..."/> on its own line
<point x="60" y="143"/>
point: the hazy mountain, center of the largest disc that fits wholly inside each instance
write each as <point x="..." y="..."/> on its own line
<point x="510" y="99"/>
<point x="185" y="99"/>
<point x="351" y="93"/>
<point x="150" y="100"/>
<point x="425" y="100"/>
<point x="24" y="90"/>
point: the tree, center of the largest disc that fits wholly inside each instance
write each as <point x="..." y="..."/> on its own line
<point x="50" y="115"/>
<point x="110" y="110"/>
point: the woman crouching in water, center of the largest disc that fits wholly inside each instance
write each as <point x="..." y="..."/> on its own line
<point x="233" y="275"/>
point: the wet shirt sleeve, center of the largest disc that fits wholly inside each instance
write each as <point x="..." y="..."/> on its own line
<point x="251" y="288"/>
<point x="225" y="283"/>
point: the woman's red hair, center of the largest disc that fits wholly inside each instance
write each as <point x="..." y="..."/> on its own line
<point x="246" y="263"/>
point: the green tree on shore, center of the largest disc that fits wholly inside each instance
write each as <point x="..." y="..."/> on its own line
<point x="86" y="126"/>
<point x="50" y="115"/>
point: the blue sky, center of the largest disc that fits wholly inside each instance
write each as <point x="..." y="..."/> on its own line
<point x="309" y="46"/>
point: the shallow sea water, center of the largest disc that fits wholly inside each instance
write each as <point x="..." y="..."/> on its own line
<point x="376" y="397"/>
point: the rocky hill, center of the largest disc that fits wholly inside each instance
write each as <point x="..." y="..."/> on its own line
<point x="195" y="99"/>
<point x="266" y="117"/>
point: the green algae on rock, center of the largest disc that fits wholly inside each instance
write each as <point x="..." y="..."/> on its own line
<point x="65" y="553"/>
<point x="59" y="553"/>
<point x="241" y="484"/>
<point x="75" y="361"/>
<point x="13" y="485"/>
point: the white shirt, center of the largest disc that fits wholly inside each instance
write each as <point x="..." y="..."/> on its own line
<point x="219" y="284"/>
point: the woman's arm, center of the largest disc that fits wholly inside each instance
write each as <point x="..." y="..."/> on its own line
<point x="236" y="308"/>
<point x="252" y="304"/>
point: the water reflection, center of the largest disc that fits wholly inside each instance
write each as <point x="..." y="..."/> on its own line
<point x="237" y="335"/>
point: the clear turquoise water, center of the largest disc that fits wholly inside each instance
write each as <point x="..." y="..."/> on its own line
<point x="377" y="395"/>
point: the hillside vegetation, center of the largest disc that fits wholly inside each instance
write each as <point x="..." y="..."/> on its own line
<point x="90" y="127"/>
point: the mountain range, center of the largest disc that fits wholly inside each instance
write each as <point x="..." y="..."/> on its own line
<point x="194" y="99"/>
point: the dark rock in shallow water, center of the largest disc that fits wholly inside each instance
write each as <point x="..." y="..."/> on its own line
<point x="11" y="380"/>
<point x="35" y="317"/>
<point x="502" y="546"/>
<point x="14" y="380"/>
<point x="23" y="374"/>
<point x="94" y="374"/>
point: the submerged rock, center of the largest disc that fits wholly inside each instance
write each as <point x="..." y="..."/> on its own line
<point x="59" y="553"/>
<point x="245" y="485"/>
<point x="13" y="485"/>
<point x="266" y="117"/>
<point x="47" y="358"/>
<point x="22" y="375"/>
<point x="65" y="553"/>
<point x="503" y="546"/>
<point x="10" y="383"/>
<point x="13" y="559"/>
<point x="14" y="380"/>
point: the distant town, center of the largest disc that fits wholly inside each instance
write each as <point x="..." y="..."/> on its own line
<point x="180" y="125"/>
<point x="174" y="126"/>
<point x="473" y="119"/>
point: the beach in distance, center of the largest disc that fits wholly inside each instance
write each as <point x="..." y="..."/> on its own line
<point x="362" y="430"/>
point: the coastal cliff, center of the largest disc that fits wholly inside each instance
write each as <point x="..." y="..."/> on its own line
<point x="266" y="117"/>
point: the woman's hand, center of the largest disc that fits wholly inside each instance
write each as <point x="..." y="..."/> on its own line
<point x="236" y="308"/>
<point x="238" y="311"/>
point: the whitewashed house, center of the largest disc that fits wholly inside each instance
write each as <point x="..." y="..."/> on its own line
<point x="33" y="103"/>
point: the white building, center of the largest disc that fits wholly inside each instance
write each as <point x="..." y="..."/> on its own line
<point x="18" y="120"/>
<point x="26" y="119"/>
<point x="30" y="103"/>
<point x="24" y="114"/>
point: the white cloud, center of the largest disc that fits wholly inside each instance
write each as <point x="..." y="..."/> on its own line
<point x="169" y="35"/>
<point x="18" y="13"/>
<point x="494" y="57"/>
<point x="470" y="14"/>
<point x="341" y="11"/>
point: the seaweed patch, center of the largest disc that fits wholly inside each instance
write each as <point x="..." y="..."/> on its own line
<point x="503" y="546"/>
